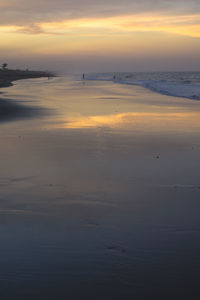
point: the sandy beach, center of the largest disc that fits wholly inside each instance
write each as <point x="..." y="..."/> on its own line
<point x="99" y="192"/>
<point x="11" y="110"/>
<point x="7" y="76"/>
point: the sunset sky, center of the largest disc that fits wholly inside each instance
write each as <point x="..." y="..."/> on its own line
<point x="101" y="35"/>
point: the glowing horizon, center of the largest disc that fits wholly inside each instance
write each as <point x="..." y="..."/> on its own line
<point x="141" y="35"/>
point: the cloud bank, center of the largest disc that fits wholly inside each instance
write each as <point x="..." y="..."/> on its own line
<point x="23" y="12"/>
<point x="101" y="34"/>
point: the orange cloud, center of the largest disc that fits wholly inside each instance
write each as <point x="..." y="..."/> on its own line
<point x="188" y="25"/>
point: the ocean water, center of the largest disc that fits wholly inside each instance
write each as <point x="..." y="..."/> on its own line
<point x="99" y="191"/>
<point x="178" y="84"/>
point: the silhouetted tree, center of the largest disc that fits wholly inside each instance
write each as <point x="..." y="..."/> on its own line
<point x="4" y="66"/>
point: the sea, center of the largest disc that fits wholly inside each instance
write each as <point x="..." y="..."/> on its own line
<point x="178" y="84"/>
<point x="100" y="187"/>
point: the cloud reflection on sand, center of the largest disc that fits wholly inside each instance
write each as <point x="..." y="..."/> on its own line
<point x="135" y="120"/>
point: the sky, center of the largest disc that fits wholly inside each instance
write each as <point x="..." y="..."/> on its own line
<point x="101" y="35"/>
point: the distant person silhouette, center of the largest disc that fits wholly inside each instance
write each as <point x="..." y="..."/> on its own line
<point x="114" y="77"/>
<point x="83" y="76"/>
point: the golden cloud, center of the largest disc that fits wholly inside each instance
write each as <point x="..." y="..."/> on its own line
<point x="188" y="25"/>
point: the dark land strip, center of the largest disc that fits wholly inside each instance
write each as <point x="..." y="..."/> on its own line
<point x="7" y="76"/>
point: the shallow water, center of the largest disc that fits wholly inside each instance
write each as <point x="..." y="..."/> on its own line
<point x="99" y="193"/>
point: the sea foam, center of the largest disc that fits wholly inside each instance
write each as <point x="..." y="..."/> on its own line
<point x="178" y="85"/>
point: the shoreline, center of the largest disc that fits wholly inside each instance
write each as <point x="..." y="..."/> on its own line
<point x="9" y="110"/>
<point x="7" y="76"/>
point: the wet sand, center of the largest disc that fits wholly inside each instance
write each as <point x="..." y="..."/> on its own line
<point x="11" y="110"/>
<point x="100" y="199"/>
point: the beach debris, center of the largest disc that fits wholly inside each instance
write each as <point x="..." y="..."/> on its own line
<point x="91" y="223"/>
<point x="116" y="248"/>
<point x="111" y="248"/>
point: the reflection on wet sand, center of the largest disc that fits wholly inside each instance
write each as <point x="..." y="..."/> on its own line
<point x="146" y="121"/>
<point x="100" y="200"/>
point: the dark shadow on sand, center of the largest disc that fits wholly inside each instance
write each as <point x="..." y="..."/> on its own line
<point x="13" y="111"/>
